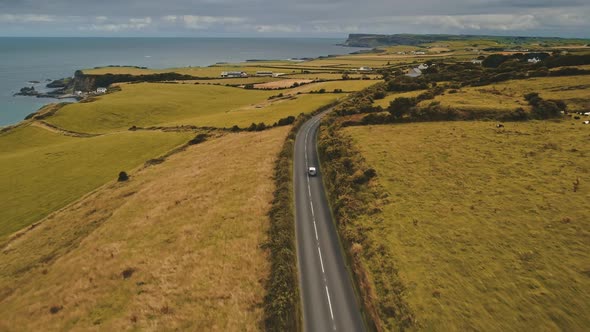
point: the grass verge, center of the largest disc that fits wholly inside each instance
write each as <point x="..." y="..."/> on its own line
<point x="354" y="195"/>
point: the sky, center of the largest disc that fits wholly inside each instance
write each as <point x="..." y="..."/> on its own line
<point x="294" y="18"/>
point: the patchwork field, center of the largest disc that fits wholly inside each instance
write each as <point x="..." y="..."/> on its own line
<point x="509" y="95"/>
<point x="151" y="104"/>
<point x="346" y="86"/>
<point x="43" y="171"/>
<point x="332" y="76"/>
<point x="178" y="247"/>
<point x="488" y="228"/>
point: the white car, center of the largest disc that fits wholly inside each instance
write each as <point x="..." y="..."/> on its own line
<point x="312" y="171"/>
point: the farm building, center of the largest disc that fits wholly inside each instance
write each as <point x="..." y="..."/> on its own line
<point x="233" y="74"/>
<point x="101" y="90"/>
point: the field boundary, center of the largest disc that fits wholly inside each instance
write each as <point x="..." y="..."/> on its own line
<point x="353" y="193"/>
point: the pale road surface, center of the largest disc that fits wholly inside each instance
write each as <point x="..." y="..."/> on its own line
<point x="328" y="299"/>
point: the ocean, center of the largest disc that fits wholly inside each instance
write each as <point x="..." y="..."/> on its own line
<point x="40" y="59"/>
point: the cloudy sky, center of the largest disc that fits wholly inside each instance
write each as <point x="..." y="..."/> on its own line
<point x="296" y="18"/>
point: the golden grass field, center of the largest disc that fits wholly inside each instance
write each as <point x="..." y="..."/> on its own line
<point x="188" y="233"/>
<point x="483" y="224"/>
<point x="156" y="104"/>
<point x="509" y="95"/>
<point x="43" y="171"/>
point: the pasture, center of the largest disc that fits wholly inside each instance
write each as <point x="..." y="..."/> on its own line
<point x="43" y="171"/>
<point x="488" y="228"/>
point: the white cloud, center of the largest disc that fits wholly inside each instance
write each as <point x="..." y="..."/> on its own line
<point x="146" y="20"/>
<point x="502" y="22"/>
<point x="170" y="18"/>
<point x="101" y="18"/>
<point x="284" y="28"/>
<point x="204" y="22"/>
<point x="26" y="18"/>
<point x="130" y="24"/>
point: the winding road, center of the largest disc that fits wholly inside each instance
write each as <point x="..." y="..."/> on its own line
<point x="329" y="302"/>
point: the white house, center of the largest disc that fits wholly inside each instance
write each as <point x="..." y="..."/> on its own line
<point x="477" y="61"/>
<point x="414" y="72"/>
<point x="418" y="53"/>
<point x="365" y="69"/>
<point x="423" y="66"/>
<point x="534" y="60"/>
<point x="101" y="90"/>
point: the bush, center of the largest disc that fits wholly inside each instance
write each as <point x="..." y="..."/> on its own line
<point x="401" y="106"/>
<point x="123" y="176"/>
<point x="379" y="95"/>
<point x="200" y="138"/>
<point x="286" y="121"/>
<point x="260" y="127"/>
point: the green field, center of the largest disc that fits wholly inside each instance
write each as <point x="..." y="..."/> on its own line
<point x="486" y="227"/>
<point x="155" y="105"/>
<point x="269" y="113"/>
<point x="152" y="104"/>
<point x="43" y="171"/>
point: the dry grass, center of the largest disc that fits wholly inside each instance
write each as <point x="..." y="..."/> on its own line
<point x="43" y="171"/>
<point x="287" y="83"/>
<point x="484" y="224"/>
<point x="509" y="95"/>
<point x="175" y="248"/>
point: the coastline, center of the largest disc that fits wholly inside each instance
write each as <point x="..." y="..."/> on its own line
<point x="245" y="58"/>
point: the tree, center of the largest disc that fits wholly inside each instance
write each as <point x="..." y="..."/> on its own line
<point x="401" y="106"/>
<point x="123" y="176"/>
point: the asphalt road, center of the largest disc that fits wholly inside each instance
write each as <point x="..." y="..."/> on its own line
<point x="329" y="303"/>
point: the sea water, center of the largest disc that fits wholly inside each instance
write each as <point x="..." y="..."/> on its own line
<point x="40" y="59"/>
